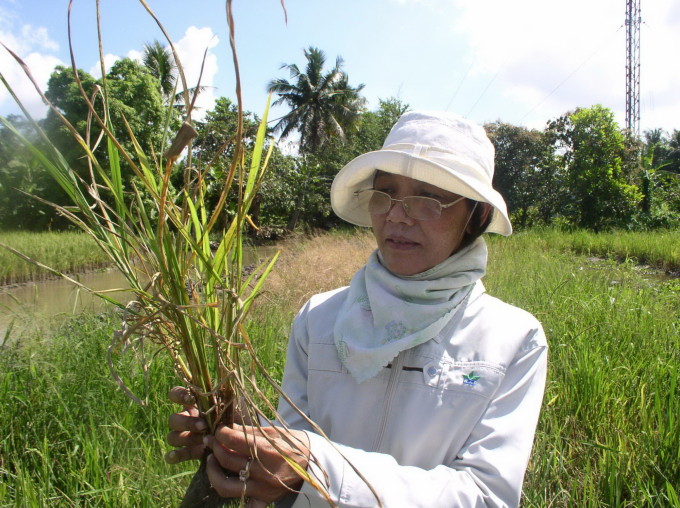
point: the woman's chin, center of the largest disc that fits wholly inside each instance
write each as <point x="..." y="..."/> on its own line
<point x="401" y="263"/>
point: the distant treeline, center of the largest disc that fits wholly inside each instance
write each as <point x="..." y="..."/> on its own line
<point x="581" y="170"/>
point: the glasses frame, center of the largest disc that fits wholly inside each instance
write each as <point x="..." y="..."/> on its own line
<point x="393" y="201"/>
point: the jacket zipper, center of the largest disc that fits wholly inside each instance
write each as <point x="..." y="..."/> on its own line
<point x="389" y="394"/>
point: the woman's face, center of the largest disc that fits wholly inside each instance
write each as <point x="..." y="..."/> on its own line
<point x="409" y="246"/>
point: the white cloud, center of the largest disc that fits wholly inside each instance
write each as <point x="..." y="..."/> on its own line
<point x="135" y="55"/>
<point x="33" y="45"/>
<point x="109" y="60"/>
<point x="538" y="44"/>
<point x="190" y="50"/>
<point x="38" y="37"/>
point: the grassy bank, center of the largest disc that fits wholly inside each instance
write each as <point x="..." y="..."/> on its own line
<point x="609" y="435"/>
<point x="64" y="251"/>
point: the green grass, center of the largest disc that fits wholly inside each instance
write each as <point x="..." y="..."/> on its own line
<point x="609" y="433"/>
<point x="71" y="438"/>
<point x="64" y="251"/>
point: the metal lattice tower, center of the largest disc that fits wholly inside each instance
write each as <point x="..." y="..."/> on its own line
<point x="633" y="22"/>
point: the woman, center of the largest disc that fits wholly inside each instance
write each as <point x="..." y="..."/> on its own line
<point x="429" y="387"/>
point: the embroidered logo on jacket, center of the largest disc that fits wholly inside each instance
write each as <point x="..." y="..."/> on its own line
<point x="470" y="379"/>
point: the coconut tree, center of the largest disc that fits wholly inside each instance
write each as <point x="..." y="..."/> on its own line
<point x="158" y="59"/>
<point x="322" y="105"/>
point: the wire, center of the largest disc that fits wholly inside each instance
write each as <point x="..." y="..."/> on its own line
<point x="570" y="75"/>
<point x="461" y="84"/>
<point x="487" y="86"/>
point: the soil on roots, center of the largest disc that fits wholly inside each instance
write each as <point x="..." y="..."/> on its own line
<point x="200" y="493"/>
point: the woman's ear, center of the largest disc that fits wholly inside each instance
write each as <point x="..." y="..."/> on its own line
<point x="486" y="210"/>
<point x="486" y="207"/>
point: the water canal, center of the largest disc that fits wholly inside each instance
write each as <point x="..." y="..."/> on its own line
<point x="29" y="303"/>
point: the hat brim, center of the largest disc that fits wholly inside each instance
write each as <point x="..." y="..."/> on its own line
<point x="358" y="175"/>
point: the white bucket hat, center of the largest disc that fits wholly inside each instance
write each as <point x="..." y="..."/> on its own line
<point x="438" y="148"/>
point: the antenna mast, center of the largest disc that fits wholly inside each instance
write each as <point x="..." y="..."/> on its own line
<point x="633" y="21"/>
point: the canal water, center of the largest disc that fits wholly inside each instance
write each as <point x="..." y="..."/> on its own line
<point x="31" y="303"/>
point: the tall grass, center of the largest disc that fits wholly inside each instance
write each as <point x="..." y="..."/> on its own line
<point x="66" y="251"/>
<point x="608" y="436"/>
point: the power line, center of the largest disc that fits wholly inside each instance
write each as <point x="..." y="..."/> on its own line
<point x="487" y="86"/>
<point x="570" y="75"/>
<point x="461" y="84"/>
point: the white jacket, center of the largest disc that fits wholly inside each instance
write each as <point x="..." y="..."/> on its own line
<point x="449" y="423"/>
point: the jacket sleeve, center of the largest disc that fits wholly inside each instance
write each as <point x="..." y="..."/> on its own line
<point x="294" y="382"/>
<point x="488" y="471"/>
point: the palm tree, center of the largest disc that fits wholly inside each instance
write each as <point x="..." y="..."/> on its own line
<point x="323" y="105"/>
<point x="160" y="62"/>
<point x="158" y="59"/>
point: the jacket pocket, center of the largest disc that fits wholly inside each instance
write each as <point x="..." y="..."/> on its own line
<point x="480" y="379"/>
<point x="324" y="357"/>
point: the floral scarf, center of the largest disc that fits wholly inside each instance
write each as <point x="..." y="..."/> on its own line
<point x="385" y="313"/>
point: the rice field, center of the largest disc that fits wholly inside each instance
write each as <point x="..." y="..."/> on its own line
<point x="608" y="436"/>
<point x="660" y="249"/>
<point x="64" y="251"/>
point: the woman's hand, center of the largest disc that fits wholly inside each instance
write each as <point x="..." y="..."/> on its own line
<point x="269" y="476"/>
<point x="187" y="429"/>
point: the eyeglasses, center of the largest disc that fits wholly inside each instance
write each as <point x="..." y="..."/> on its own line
<point x="416" y="207"/>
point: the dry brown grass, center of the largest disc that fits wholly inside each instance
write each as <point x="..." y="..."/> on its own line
<point x="313" y="265"/>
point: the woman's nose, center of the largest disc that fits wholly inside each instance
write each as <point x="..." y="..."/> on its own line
<point x="398" y="213"/>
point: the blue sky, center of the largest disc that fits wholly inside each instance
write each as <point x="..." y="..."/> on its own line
<point x="484" y="59"/>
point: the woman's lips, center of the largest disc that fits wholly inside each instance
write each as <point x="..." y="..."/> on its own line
<point x="399" y="243"/>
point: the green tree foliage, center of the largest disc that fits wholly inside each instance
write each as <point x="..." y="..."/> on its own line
<point x="660" y="180"/>
<point x="20" y="173"/>
<point x="134" y="94"/>
<point x="214" y="146"/>
<point x="596" y="164"/>
<point x="526" y="173"/>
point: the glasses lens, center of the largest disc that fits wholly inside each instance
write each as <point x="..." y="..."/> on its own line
<point x="422" y="208"/>
<point x="374" y="201"/>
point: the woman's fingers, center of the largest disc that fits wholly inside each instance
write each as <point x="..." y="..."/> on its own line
<point x="184" y="423"/>
<point x="187" y="429"/>
<point x="180" y="395"/>
<point x="183" y="439"/>
<point x="184" y="454"/>
<point x="228" y="459"/>
<point x="235" y="439"/>
<point x="224" y="485"/>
